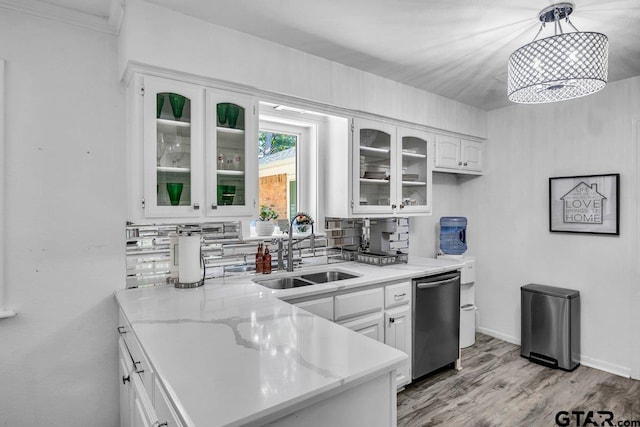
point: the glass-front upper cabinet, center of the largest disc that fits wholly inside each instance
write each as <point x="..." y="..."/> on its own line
<point x="416" y="166"/>
<point x="232" y="153"/>
<point x="374" y="189"/>
<point x="173" y="143"/>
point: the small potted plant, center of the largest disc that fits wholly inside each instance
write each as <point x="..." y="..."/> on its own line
<point x="303" y="222"/>
<point x="264" y="225"/>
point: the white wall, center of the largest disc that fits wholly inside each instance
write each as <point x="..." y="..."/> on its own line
<point x="158" y="37"/>
<point x="65" y="217"/>
<point x="508" y="212"/>
<point x="424" y="231"/>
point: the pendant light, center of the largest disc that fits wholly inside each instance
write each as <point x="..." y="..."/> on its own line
<point x="559" y="67"/>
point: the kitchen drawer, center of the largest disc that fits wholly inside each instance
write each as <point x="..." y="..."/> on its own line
<point x="358" y="303"/>
<point x="398" y="294"/>
<point x="139" y="361"/>
<point x="322" y="307"/>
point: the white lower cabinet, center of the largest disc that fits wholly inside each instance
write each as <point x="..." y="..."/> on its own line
<point x="143" y="401"/>
<point x="371" y="326"/>
<point x="397" y="334"/>
<point x="382" y="313"/>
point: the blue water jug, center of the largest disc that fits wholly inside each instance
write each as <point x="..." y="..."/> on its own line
<point x="453" y="235"/>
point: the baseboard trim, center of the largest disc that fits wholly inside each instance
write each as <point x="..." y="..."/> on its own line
<point x="601" y="365"/>
<point x="499" y="335"/>
<point x="591" y="362"/>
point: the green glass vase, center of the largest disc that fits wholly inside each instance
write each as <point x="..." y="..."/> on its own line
<point x="233" y="111"/>
<point x="222" y="113"/>
<point x="175" y="191"/>
<point x="159" y="104"/>
<point x="177" y="104"/>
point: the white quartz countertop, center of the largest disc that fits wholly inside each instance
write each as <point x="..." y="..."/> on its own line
<point x="233" y="355"/>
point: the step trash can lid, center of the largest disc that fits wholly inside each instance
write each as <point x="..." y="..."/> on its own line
<point x="550" y="290"/>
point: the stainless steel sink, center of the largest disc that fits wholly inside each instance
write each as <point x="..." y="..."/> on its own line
<point x="283" y="282"/>
<point x="327" y="276"/>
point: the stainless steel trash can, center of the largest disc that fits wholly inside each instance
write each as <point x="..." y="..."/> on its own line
<point x="550" y="322"/>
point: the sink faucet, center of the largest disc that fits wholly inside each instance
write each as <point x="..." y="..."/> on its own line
<point x="292" y="241"/>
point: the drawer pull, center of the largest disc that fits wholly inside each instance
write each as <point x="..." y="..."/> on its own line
<point x="402" y="295"/>
<point x="126" y="379"/>
<point x="159" y="424"/>
<point x="121" y="330"/>
<point x="392" y="320"/>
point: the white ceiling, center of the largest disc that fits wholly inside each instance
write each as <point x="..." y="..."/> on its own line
<point x="454" y="48"/>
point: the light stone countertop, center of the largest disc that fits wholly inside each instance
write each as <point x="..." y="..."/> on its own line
<point x="231" y="355"/>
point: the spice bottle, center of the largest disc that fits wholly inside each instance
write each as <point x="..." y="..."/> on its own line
<point x="266" y="261"/>
<point x="259" y="259"/>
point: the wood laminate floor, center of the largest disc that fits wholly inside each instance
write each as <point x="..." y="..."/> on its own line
<point x="498" y="387"/>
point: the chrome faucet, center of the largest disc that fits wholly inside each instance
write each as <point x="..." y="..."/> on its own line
<point x="291" y="242"/>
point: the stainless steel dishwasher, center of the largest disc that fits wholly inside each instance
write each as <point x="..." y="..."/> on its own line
<point x="436" y="322"/>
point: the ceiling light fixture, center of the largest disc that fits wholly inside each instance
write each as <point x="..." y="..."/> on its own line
<point x="559" y="67"/>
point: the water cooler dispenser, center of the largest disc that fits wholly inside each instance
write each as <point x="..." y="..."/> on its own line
<point x="453" y="244"/>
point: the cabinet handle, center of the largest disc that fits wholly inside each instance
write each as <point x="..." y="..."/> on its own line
<point x="392" y="320"/>
<point x="393" y="206"/>
<point x="121" y="330"/>
<point x="159" y="424"/>
<point x="400" y="295"/>
<point x="196" y="206"/>
<point x="459" y="163"/>
<point x="214" y="207"/>
<point x="126" y="379"/>
<point x="135" y="368"/>
<point x="401" y="205"/>
<point x="465" y="163"/>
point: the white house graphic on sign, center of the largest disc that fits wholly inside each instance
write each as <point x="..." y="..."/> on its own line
<point x="582" y="205"/>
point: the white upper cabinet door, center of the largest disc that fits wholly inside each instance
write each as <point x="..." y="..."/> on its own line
<point x="415" y="167"/>
<point x="231" y="154"/>
<point x="472" y="155"/>
<point x="173" y="146"/>
<point x="447" y="152"/>
<point x="458" y="155"/>
<point x="374" y="167"/>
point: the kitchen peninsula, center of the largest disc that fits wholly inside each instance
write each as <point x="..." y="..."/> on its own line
<point x="232" y="353"/>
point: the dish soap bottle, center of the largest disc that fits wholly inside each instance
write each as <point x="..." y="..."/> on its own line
<point x="259" y="259"/>
<point x="266" y="261"/>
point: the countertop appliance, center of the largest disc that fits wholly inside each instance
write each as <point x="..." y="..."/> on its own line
<point x="436" y="322"/>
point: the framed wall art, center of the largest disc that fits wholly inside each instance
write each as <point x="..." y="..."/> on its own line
<point x="585" y="204"/>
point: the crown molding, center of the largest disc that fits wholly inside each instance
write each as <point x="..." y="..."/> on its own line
<point x="104" y="24"/>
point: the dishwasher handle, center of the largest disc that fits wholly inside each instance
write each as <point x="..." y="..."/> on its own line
<point x="428" y="285"/>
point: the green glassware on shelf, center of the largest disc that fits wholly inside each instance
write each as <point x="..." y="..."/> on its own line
<point x="233" y="111"/>
<point x="226" y="193"/>
<point x="159" y="104"/>
<point x="175" y="191"/>
<point x="177" y="104"/>
<point x="222" y="113"/>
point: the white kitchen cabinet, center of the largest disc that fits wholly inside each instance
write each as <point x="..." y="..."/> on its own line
<point x="397" y="334"/>
<point x="458" y="155"/>
<point x="359" y="303"/>
<point x="322" y="307"/>
<point x="392" y="169"/>
<point x="124" y="368"/>
<point x="143" y="401"/>
<point x="232" y="154"/>
<point x="371" y="325"/>
<point x="193" y="151"/>
<point x="173" y="147"/>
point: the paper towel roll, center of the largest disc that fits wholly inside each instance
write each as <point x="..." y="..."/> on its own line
<point x="189" y="259"/>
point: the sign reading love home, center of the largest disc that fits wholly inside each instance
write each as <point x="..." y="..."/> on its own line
<point x="584" y="204"/>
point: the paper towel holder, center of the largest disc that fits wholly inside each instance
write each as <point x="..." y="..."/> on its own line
<point x="189" y="244"/>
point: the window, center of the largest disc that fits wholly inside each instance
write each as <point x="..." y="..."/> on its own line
<point x="277" y="169"/>
<point x="287" y="164"/>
